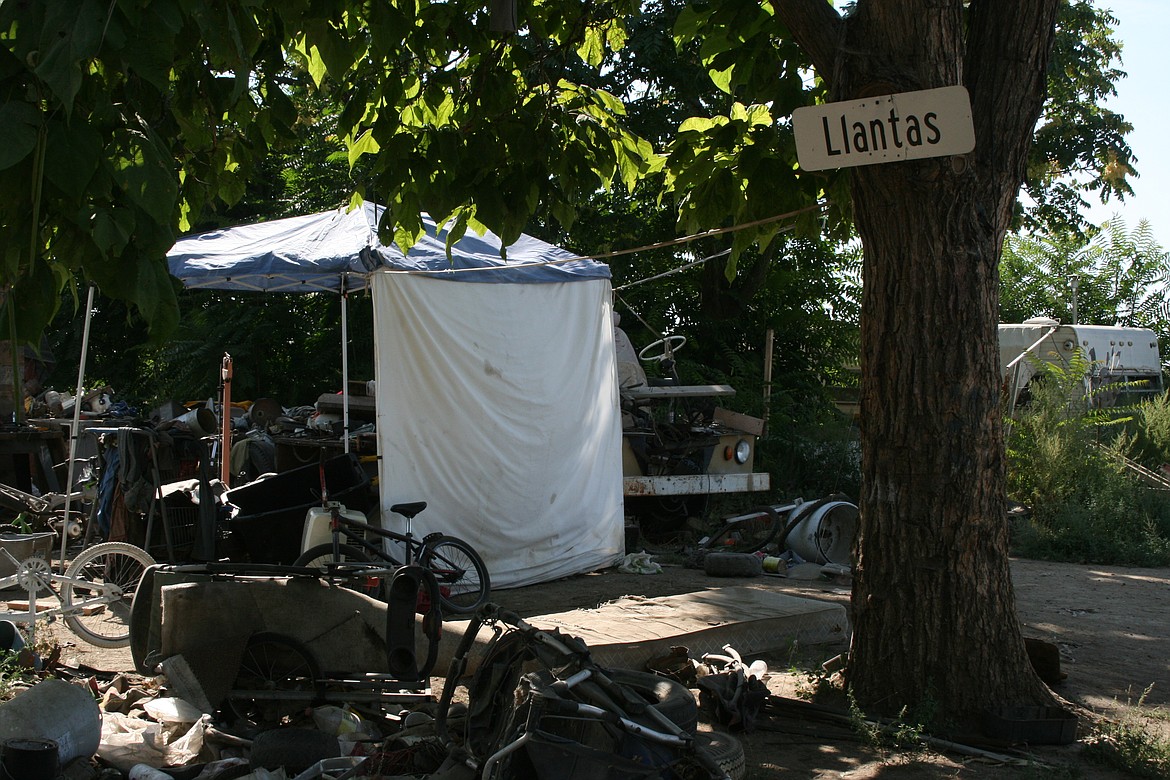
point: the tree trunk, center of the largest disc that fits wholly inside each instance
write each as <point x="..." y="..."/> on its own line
<point x="935" y="625"/>
<point x="934" y="557"/>
<point x="9" y="397"/>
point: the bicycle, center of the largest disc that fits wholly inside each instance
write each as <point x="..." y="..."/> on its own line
<point x="464" y="584"/>
<point x="94" y="594"/>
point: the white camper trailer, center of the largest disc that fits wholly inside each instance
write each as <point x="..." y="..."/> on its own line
<point x="1113" y="355"/>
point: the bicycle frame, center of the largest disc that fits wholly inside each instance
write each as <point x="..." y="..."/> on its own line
<point x="34" y="578"/>
<point x="354" y="531"/>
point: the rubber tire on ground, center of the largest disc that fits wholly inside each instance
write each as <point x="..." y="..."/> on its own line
<point x="140" y="620"/>
<point x="128" y="563"/>
<point x="672" y="699"/>
<point x="472" y="599"/>
<point x="313" y="557"/>
<point x="295" y="749"/>
<point x="732" y="565"/>
<point x="725" y="750"/>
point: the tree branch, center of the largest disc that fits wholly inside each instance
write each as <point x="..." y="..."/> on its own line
<point x="1008" y="47"/>
<point x="817" y="27"/>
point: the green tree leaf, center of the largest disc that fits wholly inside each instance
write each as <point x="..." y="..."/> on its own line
<point x="19" y="125"/>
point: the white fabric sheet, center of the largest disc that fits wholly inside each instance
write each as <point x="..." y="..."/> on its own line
<point x="498" y="405"/>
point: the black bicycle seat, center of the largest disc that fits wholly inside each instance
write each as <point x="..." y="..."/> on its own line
<point x="409" y="510"/>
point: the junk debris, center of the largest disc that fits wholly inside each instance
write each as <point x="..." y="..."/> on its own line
<point x="536" y="704"/>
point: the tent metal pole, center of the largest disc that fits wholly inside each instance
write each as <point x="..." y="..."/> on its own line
<point x="344" y="365"/>
<point x="225" y="429"/>
<point x="75" y="429"/>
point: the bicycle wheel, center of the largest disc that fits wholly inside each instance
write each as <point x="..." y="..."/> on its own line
<point x="278" y="677"/>
<point x="463" y="578"/>
<point x="100" y="590"/>
<point x="321" y="557"/>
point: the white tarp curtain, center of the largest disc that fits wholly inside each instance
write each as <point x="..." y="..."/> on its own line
<point x="497" y="405"/>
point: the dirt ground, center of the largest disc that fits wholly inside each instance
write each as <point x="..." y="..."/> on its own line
<point x="1112" y="626"/>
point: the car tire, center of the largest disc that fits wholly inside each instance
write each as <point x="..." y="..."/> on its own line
<point x="732" y="565"/>
<point x="672" y="699"/>
<point x="725" y="750"/>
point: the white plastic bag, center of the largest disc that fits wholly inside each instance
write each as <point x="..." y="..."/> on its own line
<point x="640" y="563"/>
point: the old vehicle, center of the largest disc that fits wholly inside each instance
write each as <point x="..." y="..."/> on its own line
<point x="1126" y="358"/>
<point x="679" y="447"/>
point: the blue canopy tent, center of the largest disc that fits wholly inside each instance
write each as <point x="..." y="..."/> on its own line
<point x="336" y="251"/>
<point x="520" y="379"/>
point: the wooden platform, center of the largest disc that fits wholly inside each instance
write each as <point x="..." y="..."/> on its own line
<point x="634" y="629"/>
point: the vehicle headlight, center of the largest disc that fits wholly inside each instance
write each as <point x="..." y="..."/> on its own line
<point x="743" y="451"/>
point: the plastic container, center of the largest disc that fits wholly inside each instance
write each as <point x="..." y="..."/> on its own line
<point x="826" y="533"/>
<point x="54" y="710"/>
<point x="10" y="637"/>
<point x="271" y="519"/>
<point x="317" y="529"/>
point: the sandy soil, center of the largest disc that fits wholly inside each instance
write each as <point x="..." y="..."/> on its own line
<point x="1112" y="625"/>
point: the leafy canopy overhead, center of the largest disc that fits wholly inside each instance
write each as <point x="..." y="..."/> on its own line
<point x="126" y="121"/>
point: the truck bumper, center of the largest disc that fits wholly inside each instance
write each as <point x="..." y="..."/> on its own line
<point x="695" y="484"/>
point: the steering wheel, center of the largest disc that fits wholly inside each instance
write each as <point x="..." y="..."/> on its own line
<point x="669" y="345"/>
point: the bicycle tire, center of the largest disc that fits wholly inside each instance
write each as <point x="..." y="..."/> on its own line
<point x="273" y="664"/>
<point x="320" y="556"/>
<point x="749" y="533"/>
<point x="464" y="584"/>
<point x="116" y="566"/>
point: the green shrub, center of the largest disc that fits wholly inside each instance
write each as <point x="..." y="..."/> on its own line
<point x="1128" y="745"/>
<point x="1148" y="434"/>
<point x="1065" y="461"/>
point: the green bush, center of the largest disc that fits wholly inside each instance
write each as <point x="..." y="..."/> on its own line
<point x="1148" y="433"/>
<point x="1131" y="747"/>
<point x="1066" y="463"/>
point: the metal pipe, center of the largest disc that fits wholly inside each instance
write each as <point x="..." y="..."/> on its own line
<point x="769" y="340"/>
<point x="344" y="366"/>
<point x="502" y="753"/>
<point x="74" y="432"/>
<point x="225" y="427"/>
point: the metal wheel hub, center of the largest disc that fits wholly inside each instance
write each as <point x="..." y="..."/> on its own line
<point x="31" y="573"/>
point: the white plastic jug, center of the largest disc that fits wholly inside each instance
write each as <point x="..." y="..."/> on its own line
<point x="317" y="525"/>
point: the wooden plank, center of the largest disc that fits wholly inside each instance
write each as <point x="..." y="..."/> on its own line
<point x="740" y="422"/>
<point x="678" y="391"/>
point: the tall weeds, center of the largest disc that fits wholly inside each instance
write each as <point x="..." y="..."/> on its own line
<point x="1065" y="462"/>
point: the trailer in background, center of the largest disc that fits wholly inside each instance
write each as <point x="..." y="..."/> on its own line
<point x="1124" y="357"/>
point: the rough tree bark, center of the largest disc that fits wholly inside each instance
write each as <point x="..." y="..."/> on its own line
<point x="935" y="625"/>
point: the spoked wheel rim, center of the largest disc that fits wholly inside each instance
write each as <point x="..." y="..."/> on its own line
<point x="461" y="588"/>
<point x="100" y="592"/>
<point x="277" y="678"/>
